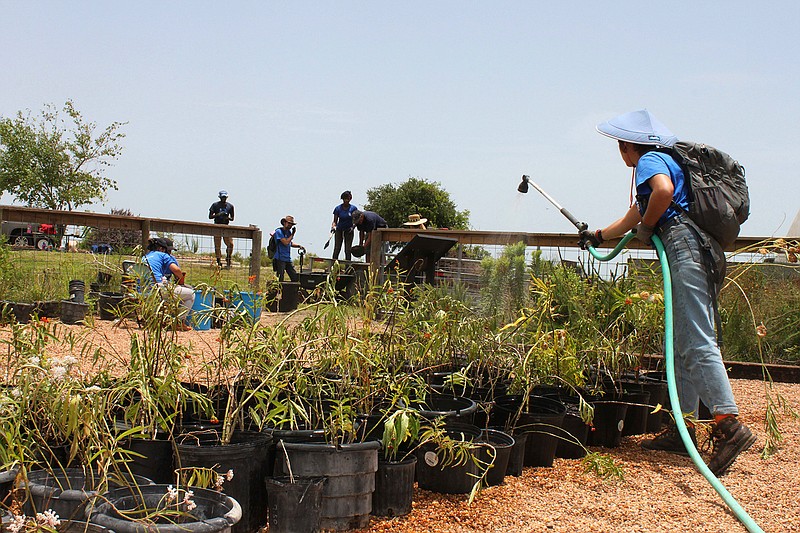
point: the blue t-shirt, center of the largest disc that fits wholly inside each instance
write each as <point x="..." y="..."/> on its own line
<point x="653" y="163"/>
<point x="283" y="251"/>
<point x="159" y="264"/>
<point x="345" y="215"/>
<point x="371" y="221"/>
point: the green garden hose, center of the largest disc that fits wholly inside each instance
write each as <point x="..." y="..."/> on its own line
<point x="737" y="509"/>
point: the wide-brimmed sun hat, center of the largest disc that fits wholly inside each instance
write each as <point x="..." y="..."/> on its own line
<point x="289" y="219"/>
<point x="415" y="220"/>
<point x="639" y="127"/>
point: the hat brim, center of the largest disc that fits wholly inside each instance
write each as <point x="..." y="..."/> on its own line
<point x="417" y="223"/>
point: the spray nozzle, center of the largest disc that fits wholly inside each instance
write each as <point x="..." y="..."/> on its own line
<point x="523" y="186"/>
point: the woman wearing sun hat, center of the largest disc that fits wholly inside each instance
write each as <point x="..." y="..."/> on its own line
<point x="415" y="221"/>
<point x="697" y="267"/>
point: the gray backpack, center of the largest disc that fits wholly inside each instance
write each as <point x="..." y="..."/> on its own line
<point x="719" y="202"/>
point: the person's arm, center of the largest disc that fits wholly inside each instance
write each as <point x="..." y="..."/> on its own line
<point x="622" y="225"/>
<point x="335" y="219"/>
<point x="180" y="276"/>
<point x="660" y="199"/>
<point x="287" y="240"/>
<point x="211" y="212"/>
<point x="230" y="218"/>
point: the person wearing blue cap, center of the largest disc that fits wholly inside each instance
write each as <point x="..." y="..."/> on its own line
<point x="697" y="267"/>
<point x="222" y="213"/>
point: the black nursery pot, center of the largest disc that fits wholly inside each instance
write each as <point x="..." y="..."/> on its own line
<point x="503" y="444"/>
<point x="394" y="487"/>
<point x="574" y="431"/>
<point x="540" y="417"/>
<point x="452" y="408"/>
<point x="247" y="455"/>
<point x="433" y="475"/>
<point x="295" y="504"/>
<point x="638" y="409"/>
<point x="609" y="420"/>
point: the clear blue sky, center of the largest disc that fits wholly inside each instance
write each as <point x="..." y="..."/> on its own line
<point x="287" y="104"/>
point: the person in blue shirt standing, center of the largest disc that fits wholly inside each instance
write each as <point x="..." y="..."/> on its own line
<point x="697" y="267"/>
<point x="284" y="238"/>
<point x="164" y="268"/>
<point x="222" y="213"/>
<point x="342" y="225"/>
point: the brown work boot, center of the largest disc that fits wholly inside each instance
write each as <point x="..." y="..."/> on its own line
<point x="729" y="438"/>
<point x="670" y="441"/>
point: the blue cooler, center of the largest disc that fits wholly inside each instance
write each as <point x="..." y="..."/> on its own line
<point x="200" y="318"/>
<point x="249" y="302"/>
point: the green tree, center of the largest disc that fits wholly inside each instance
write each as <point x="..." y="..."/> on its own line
<point x="57" y="160"/>
<point x="395" y="202"/>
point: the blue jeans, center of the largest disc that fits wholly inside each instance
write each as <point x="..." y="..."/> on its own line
<point x="700" y="373"/>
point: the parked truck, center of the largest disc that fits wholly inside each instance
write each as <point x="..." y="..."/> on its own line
<point x="41" y="236"/>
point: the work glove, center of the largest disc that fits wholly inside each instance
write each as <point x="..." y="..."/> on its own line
<point x="590" y="238"/>
<point x="644" y="232"/>
<point x="294" y="229"/>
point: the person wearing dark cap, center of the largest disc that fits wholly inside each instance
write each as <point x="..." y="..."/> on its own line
<point x="168" y="275"/>
<point x="697" y="267"/>
<point x="367" y="222"/>
<point x="284" y="238"/>
<point x="222" y="213"/>
<point x="342" y="226"/>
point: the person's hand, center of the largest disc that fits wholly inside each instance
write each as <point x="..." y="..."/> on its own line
<point x="293" y="230"/>
<point x="644" y="232"/>
<point x="181" y="278"/>
<point x="590" y="238"/>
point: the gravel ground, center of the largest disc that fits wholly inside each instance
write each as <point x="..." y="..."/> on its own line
<point x="660" y="492"/>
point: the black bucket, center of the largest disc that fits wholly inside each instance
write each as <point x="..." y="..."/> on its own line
<point x="295" y="504"/>
<point x="394" y="487"/>
<point x="502" y="443"/>
<point x="350" y="469"/>
<point x="451" y="408"/>
<point x="73" y="312"/>
<point x="247" y="456"/>
<point x="77" y="289"/>
<point x="152" y="458"/>
<point x="109" y="305"/>
<point x="290" y="296"/>
<point x="433" y="475"/>
<point x="638" y="408"/>
<point x="540" y="417"/>
<point x="609" y="421"/>
<point x="516" y="459"/>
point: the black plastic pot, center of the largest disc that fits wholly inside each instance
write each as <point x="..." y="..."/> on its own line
<point x="68" y="491"/>
<point x="502" y="443"/>
<point x="152" y="458"/>
<point x="394" y="487"/>
<point x="49" y="308"/>
<point x="7" y="478"/>
<point x="350" y="469"/>
<point x="538" y="416"/>
<point x="434" y="475"/>
<point x="608" y="421"/>
<point x="452" y="408"/>
<point x="574" y="431"/>
<point x="247" y="455"/>
<point x="109" y="305"/>
<point x="215" y="511"/>
<point x="290" y="296"/>
<point x="516" y="458"/>
<point x="295" y="504"/>
<point x="638" y="408"/>
<point x="73" y="312"/>
<point x="23" y="311"/>
<point x="77" y="289"/>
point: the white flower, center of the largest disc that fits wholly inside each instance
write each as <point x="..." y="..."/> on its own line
<point x="34" y="360"/>
<point x="220" y="481"/>
<point x="48" y="518"/>
<point x="190" y="505"/>
<point x="69" y="360"/>
<point x="16" y="393"/>
<point x="93" y="388"/>
<point x="229" y="474"/>
<point x="172" y="494"/>
<point x="17" y="524"/>
<point x="58" y="372"/>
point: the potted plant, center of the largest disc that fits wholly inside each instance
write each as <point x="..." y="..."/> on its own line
<point x="394" y="479"/>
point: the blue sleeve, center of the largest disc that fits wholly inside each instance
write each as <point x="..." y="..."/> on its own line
<point x="648" y="166"/>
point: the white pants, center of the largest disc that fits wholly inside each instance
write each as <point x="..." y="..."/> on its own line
<point x="185" y="295"/>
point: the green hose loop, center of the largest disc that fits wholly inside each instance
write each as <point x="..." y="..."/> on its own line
<point x="737" y="509"/>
